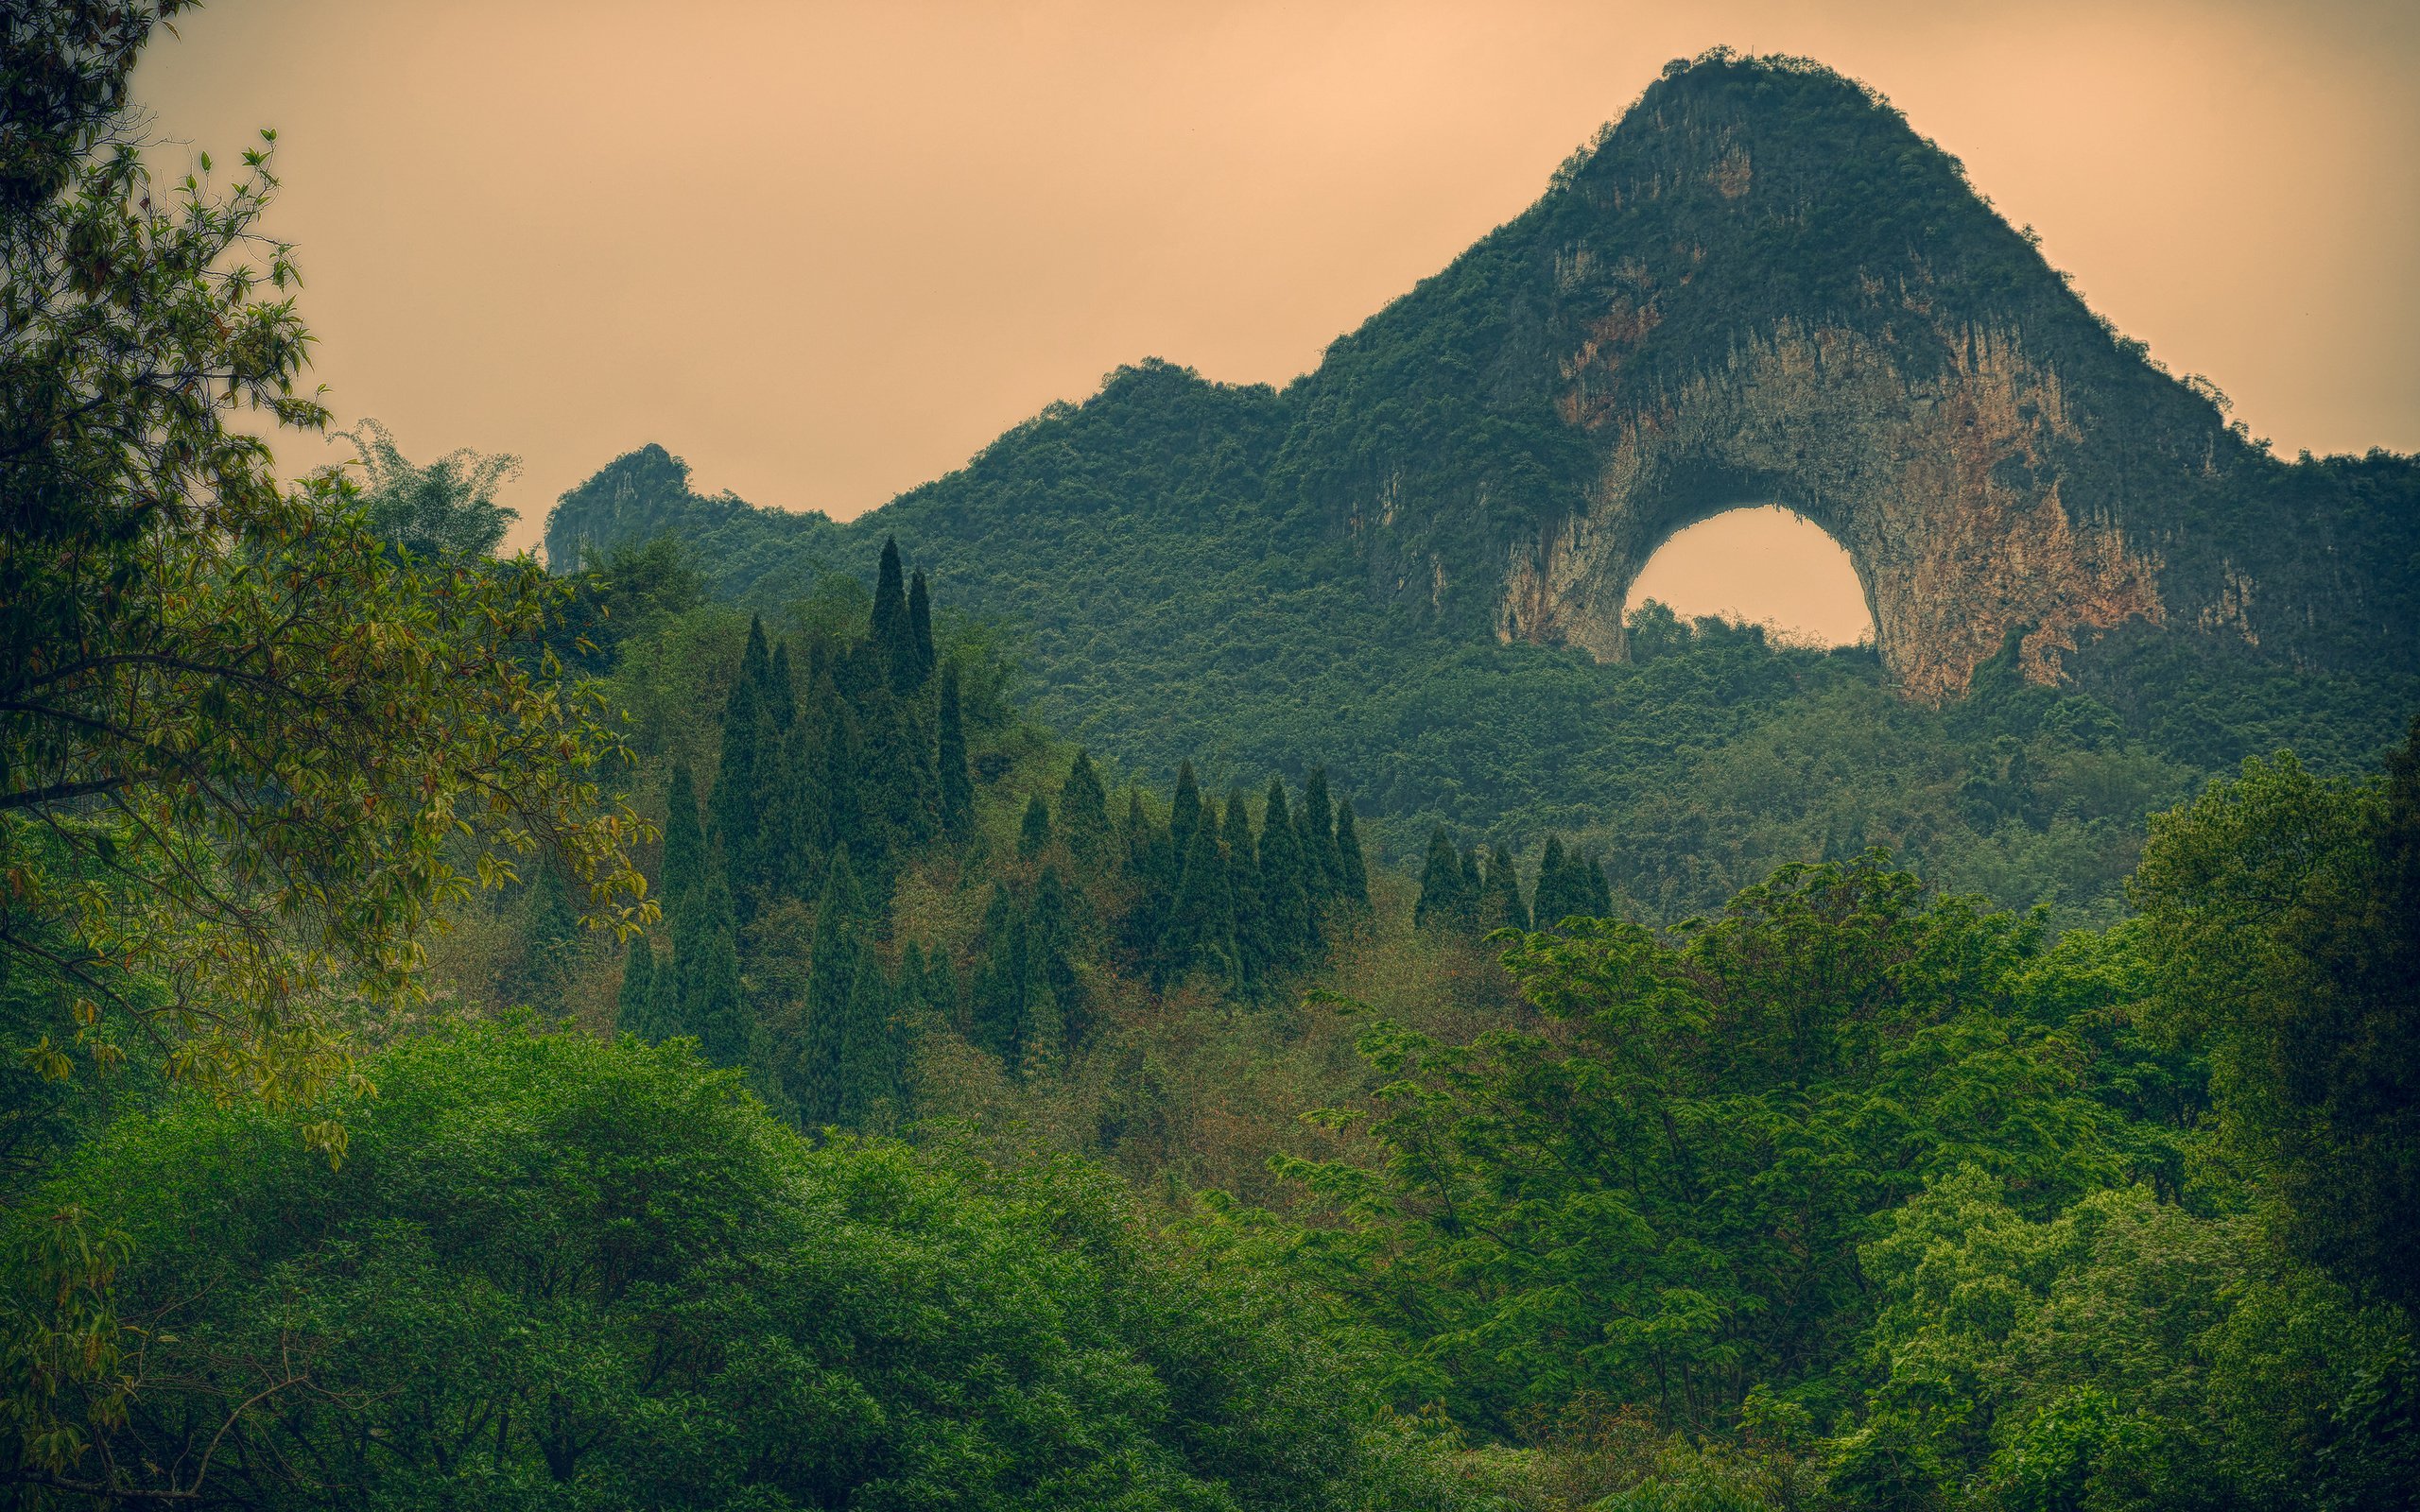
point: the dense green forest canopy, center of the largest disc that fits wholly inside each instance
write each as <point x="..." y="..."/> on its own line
<point x="655" y="1035"/>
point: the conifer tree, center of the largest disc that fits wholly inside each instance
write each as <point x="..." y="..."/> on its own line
<point x="995" y="997"/>
<point x="1151" y="862"/>
<point x="867" y="1089"/>
<point x="635" y="1006"/>
<point x="549" y="938"/>
<point x="1353" y="871"/>
<point x="834" y="745"/>
<point x="1500" y="905"/>
<point x="1441" y="885"/>
<point x="956" y="783"/>
<point x="781" y="693"/>
<point x="919" y="630"/>
<point x="685" y="844"/>
<point x="898" y="785"/>
<point x="737" y="803"/>
<point x="1033" y="834"/>
<point x="1260" y="946"/>
<point x="1201" y="934"/>
<point x="1592" y="884"/>
<point x="894" y="642"/>
<point x="714" y="1006"/>
<point x="755" y="663"/>
<point x="1323" y="866"/>
<point x="1184" y="812"/>
<point x="1286" y="897"/>
<point x="1052" y="1010"/>
<point x="834" y="960"/>
<point x="1553" y="901"/>
<point x="1083" y="811"/>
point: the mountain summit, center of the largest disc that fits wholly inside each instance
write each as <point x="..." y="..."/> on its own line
<point x="1761" y="285"/>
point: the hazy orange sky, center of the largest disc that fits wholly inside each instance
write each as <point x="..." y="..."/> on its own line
<point x="825" y="252"/>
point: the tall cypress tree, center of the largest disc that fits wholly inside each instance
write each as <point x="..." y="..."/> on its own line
<point x="1083" y="811"/>
<point x="1152" y="862"/>
<point x="757" y="662"/>
<point x="955" y="784"/>
<point x="838" y="780"/>
<point x="1353" y="872"/>
<point x="1286" y="898"/>
<point x="781" y="693"/>
<point x="868" y="1087"/>
<point x="898" y="783"/>
<point x="1323" y="866"/>
<point x="1201" y="934"/>
<point x="685" y="844"/>
<point x="1052" y="1018"/>
<point x="834" y="960"/>
<point x="1261" y="945"/>
<point x="714" y="1006"/>
<point x="919" y="630"/>
<point x="1592" y="884"/>
<point x="995" y="997"/>
<point x="738" y="803"/>
<point x="1501" y="905"/>
<point x="1553" y="902"/>
<point x="1184" y="812"/>
<point x="893" y="642"/>
<point x="1441" y="885"/>
<point x="550" y="937"/>
<point x="635" y="1006"/>
<point x="1033" y="834"/>
<point x="1474" y="886"/>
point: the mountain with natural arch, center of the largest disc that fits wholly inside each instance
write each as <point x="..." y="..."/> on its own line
<point x="1759" y="285"/>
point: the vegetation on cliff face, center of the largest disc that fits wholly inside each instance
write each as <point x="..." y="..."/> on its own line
<point x="1760" y="284"/>
<point x="981" y="1127"/>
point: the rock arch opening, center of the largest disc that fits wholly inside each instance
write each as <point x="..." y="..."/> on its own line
<point x="1760" y="564"/>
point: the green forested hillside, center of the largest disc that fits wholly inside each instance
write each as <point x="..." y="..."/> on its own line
<point x="1261" y="579"/>
<point x="690" y="1031"/>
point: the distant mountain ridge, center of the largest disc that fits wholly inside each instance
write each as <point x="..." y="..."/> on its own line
<point x="1761" y="285"/>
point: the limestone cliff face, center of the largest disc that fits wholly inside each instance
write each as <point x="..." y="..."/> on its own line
<point x="1762" y="286"/>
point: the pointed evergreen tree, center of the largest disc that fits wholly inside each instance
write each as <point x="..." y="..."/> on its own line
<point x="1261" y="945"/>
<point x="549" y="939"/>
<point x="1553" y="901"/>
<point x="1593" y="886"/>
<point x="834" y="960"/>
<point x="737" y="803"/>
<point x="1201" y="934"/>
<point x="1184" y="813"/>
<point x="1053" y="1015"/>
<point x="835" y="746"/>
<point x="1501" y="905"/>
<point x="1441" y="885"/>
<point x="684" y="843"/>
<point x="1033" y="834"/>
<point x="1286" y="897"/>
<point x="714" y="1006"/>
<point x="635" y="1006"/>
<point x="955" y="784"/>
<point x="893" y="642"/>
<point x="919" y="630"/>
<point x="1083" y="811"/>
<point x="781" y="693"/>
<point x="1353" y="871"/>
<point x="1474" y="886"/>
<point x="1323" y="866"/>
<point x="900" y="785"/>
<point x="866" y="1091"/>
<point x="995" y="997"/>
<point x="1151" y="862"/>
<point x="757" y="662"/>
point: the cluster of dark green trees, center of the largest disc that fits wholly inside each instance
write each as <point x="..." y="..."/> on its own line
<point x="836" y="769"/>
<point x="845" y="763"/>
<point x="1477" y="891"/>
